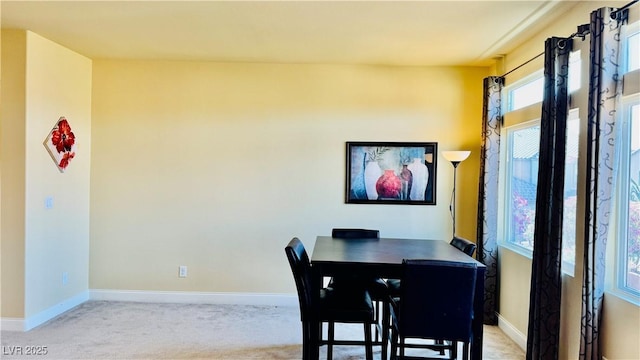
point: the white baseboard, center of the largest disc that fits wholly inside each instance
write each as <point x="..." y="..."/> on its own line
<point x="13" y="324"/>
<point x="513" y="333"/>
<point x="191" y="297"/>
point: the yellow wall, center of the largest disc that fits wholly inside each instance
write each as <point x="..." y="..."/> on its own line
<point x="621" y="320"/>
<point x="216" y="166"/>
<point x="42" y="82"/>
<point x="57" y="239"/>
<point x="12" y="141"/>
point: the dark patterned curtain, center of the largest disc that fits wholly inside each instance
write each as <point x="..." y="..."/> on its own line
<point x="546" y="286"/>
<point x="605" y="90"/>
<point x="488" y="195"/>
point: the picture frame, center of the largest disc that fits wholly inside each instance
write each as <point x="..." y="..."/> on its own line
<point x="391" y="173"/>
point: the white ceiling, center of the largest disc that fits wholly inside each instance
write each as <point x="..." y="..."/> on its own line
<point x="347" y="32"/>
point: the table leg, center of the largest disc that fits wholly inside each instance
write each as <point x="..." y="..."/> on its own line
<point x="478" y="316"/>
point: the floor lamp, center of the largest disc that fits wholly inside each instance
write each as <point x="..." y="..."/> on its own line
<point x="455" y="157"/>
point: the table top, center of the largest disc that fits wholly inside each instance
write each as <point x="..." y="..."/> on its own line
<point x="387" y="253"/>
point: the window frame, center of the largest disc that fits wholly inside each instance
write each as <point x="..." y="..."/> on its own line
<point x="617" y="279"/>
<point x="504" y="221"/>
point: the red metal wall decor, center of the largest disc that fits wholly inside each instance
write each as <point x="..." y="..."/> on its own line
<point x="61" y="144"/>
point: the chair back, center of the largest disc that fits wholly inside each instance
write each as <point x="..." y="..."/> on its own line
<point x="436" y="300"/>
<point x="301" y="269"/>
<point x="351" y="233"/>
<point x="464" y="245"/>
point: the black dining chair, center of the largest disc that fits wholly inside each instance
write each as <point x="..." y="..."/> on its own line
<point x="377" y="287"/>
<point x="444" y="315"/>
<point x="352" y="233"/>
<point x="326" y="305"/>
<point x="464" y="245"/>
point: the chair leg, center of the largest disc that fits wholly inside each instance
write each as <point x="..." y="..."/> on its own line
<point x="394" y="344"/>
<point x="368" y="342"/>
<point x="453" y="351"/>
<point x="386" y="324"/>
<point x="306" y="339"/>
<point x="376" y="318"/>
<point x="465" y="350"/>
<point x="313" y="337"/>
<point x="331" y="330"/>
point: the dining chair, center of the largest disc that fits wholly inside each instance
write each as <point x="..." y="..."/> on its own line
<point x="353" y="233"/>
<point x="326" y="305"/>
<point x="377" y="287"/>
<point x="444" y="315"/>
<point x="464" y="245"/>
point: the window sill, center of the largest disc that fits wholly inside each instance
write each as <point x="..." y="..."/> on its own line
<point x="517" y="249"/>
<point x="623" y="295"/>
<point x="567" y="268"/>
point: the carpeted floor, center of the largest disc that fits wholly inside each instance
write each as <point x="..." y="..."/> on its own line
<point x="128" y="330"/>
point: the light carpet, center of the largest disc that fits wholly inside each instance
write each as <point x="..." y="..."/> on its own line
<point x="130" y="330"/>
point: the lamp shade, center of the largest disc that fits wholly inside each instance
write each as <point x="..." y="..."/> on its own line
<point x="456" y="156"/>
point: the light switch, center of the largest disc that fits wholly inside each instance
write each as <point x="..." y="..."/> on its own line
<point x="48" y="202"/>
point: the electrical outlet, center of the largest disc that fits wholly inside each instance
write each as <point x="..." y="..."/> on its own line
<point x="182" y="271"/>
<point x="65" y="278"/>
<point x="48" y="202"/>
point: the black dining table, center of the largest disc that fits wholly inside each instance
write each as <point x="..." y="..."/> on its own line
<point x="382" y="257"/>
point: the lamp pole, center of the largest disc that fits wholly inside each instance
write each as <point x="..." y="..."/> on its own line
<point x="455" y="157"/>
<point x="452" y="206"/>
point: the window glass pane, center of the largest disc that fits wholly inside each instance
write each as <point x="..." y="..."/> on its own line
<point x="633" y="234"/>
<point x="527" y="94"/>
<point x="522" y="180"/>
<point x="521" y="187"/>
<point x="570" y="190"/>
<point x="575" y="67"/>
<point x="633" y="46"/>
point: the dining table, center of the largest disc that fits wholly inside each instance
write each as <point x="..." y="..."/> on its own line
<point x="383" y="258"/>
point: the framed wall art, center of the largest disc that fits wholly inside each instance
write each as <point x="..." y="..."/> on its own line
<point x="391" y="173"/>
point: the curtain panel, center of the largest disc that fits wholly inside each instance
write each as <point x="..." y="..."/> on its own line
<point x="546" y="287"/>
<point x="487" y="234"/>
<point x="605" y="91"/>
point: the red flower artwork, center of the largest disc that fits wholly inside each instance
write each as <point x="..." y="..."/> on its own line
<point x="65" y="159"/>
<point x="61" y="143"/>
<point x="62" y="137"/>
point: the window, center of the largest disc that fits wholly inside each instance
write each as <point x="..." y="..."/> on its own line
<point x="628" y="219"/>
<point x="633" y="49"/>
<point x="526" y="93"/>
<point x="529" y="91"/>
<point x="625" y="280"/>
<point x="623" y="246"/>
<point x="519" y="162"/>
<point x="520" y="184"/>
<point x="520" y="179"/>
